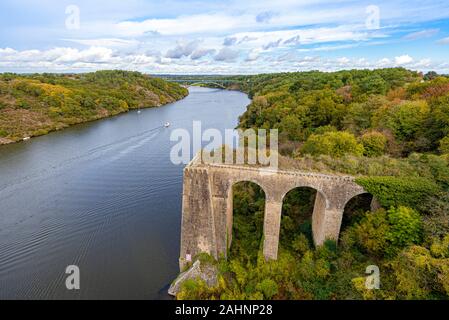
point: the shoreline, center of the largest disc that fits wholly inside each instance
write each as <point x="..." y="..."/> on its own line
<point x="6" y="141"/>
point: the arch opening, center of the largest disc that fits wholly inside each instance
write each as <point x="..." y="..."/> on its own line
<point x="246" y="225"/>
<point x="355" y="209"/>
<point x="297" y="217"/>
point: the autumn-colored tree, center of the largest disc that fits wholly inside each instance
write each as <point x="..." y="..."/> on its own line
<point x="375" y="143"/>
<point x="336" y="144"/>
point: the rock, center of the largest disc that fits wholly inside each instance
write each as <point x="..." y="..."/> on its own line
<point x="5" y="141"/>
<point x="207" y="273"/>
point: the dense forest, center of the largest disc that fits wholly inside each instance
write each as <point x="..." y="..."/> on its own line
<point x="33" y="105"/>
<point x="390" y="129"/>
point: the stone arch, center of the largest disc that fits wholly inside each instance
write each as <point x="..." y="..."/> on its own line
<point x="208" y="205"/>
<point x="374" y="205"/>
<point x="320" y="209"/>
<point x="230" y="205"/>
<point x="355" y="206"/>
<point x="303" y="199"/>
<point x="310" y="186"/>
<point x="233" y="182"/>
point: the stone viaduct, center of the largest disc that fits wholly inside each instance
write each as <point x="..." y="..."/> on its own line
<point x="207" y="215"/>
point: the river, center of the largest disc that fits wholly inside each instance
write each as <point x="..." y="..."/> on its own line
<point x="103" y="196"/>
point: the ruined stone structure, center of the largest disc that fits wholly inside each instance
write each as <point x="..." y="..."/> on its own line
<point x="207" y="215"/>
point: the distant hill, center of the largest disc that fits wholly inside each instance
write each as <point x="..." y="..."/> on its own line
<point x="33" y="105"/>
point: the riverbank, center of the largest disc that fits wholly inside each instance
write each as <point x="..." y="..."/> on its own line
<point x="104" y="196"/>
<point x="35" y="105"/>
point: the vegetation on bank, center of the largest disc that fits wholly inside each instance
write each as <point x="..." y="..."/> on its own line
<point x="33" y="105"/>
<point x="388" y="127"/>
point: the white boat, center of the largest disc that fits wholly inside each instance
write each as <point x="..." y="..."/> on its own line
<point x="167" y="124"/>
<point x="139" y="112"/>
<point x="26" y="138"/>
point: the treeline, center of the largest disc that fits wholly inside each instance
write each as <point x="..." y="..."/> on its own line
<point x="32" y="105"/>
<point x="388" y="127"/>
<point x="387" y="111"/>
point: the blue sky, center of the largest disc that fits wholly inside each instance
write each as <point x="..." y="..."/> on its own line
<point x="222" y="37"/>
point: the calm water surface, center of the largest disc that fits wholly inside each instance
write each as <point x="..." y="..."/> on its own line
<point x="103" y="196"/>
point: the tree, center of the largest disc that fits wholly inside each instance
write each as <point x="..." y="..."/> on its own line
<point x="291" y="125"/>
<point x="406" y="226"/>
<point x="407" y="119"/>
<point x="268" y="287"/>
<point x="400" y="191"/>
<point x="374" y="84"/>
<point x="371" y="233"/>
<point x="430" y="75"/>
<point x="335" y="144"/>
<point x="375" y="143"/>
<point x="444" y="145"/>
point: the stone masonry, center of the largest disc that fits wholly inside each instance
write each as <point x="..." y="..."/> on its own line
<point x="207" y="214"/>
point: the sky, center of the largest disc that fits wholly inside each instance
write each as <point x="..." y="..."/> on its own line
<point x="222" y="37"/>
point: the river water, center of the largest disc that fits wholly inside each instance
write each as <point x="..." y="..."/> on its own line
<point x="103" y="196"/>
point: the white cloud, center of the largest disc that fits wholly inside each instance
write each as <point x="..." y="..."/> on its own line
<point x="200" y="53"/>
<point x="422" y="34"/>
<point x="384" y="62"/>
<point x="178" y="33"/>
<point x="183" y="25"/>
<point x="265" y="17"/>
<point x="444" y="41"/>
<point x="226" y="55"/>
<point x="96" y="58"/>
<point x="403" y="60"/>
<point x="296" y="40"/>
<point x="182" y="49"/>
<point x="343" y="61"/>
<point x="106" y="42"/>
<point x="230" y="41"/>
<point x="272" y="45"/>
<point x="253" y="55"/>
<point x="308" y="36"/>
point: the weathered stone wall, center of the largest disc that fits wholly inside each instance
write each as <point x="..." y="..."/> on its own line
<point x="207" y="205"/>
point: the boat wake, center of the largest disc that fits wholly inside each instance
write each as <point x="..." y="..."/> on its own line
<point x="121" y="147"/>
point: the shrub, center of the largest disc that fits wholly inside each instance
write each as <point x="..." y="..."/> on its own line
<point x="382" y="232"/>
<point x="397" y="191"/>
<point x="40" y="132"/>
<point x="405" y="227"/>
<point x="440" y="248"/>
<point x="193" y="290"/>
<point x="371" y="233"/>
<point x="268" y="287"/>
<point x="419" y="275"/>
<point x="335" y="144"/>
<point x="301" y="244"/>
<point x="444" y="145"/>
<point x="411" y="269"/>
<point x="23" y="104"/>
<point x="407" y="119"/>
<point x="374" y="143"/>
<point x="436" y="220"/>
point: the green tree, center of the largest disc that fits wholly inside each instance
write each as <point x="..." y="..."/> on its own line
<point x="371" y="233"/>
<point x="268" y="287"/>
<point x="406" y="226"/>
<point x="407" y="119"/>
<point x="291" y="125"/>
<point x="444" y="145"/>
<point x="335" y="144"/>
<point x="400" y="191"/>
<point x="374" y="143"/>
